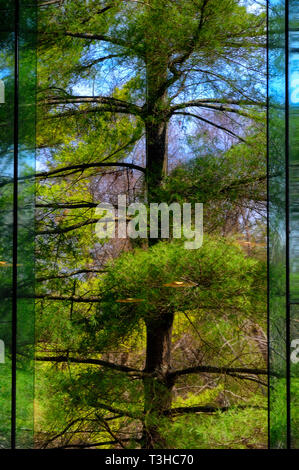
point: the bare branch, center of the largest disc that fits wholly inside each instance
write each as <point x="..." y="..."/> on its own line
<point x="109" y="430"/>
<point x="251" y="379"/>
<point x="97" y="61"/>
<point x="68" y="426"/>
<point x="228" y="131"/>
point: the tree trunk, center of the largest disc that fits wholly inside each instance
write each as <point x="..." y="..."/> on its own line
<point x="156" y="125"/>
<point x="156" y="157"/>
<point x="157" y="390"/>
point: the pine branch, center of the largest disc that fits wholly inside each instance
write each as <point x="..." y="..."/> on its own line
<point x="59" y="230"/>
<point x="72" y="169"/>
<point x="97" y="61"/>
<point x="96" y="362"/>
<point x="68" y="426"/>
<point x="66" y="298"/>
<point x="251" y="379"/>
<point x="70" y="228"/>
<point x="85" y="166"/>
<point x="191" y="43"/>
<point x="99" y="12"/>
<point x="207" y="105"/>
<point x="114" y="103"/>
<point x="217" y="370"/>
<point x="244" y="182"/>
<point x="98" y="109"/>
<point x="208" y="409"/>
<point x="89" y="36"/>
<point x="73" y="273"/>
<point x="78" y="205"/>
<point x="117" y="411"/>
<point x="98" y="37"/>
<point x="96" y="444"/>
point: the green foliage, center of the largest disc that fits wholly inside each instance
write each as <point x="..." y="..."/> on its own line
<point x="138" y="61"/>
<point x="278" y="410"/>
<point x="278" y="414"/>
<point x="227" y="282"/>
<point x="24" y="424"/>
<point x="238" y="429"/>
<point x="219" y="305"/>
<point x="226" y="182"/>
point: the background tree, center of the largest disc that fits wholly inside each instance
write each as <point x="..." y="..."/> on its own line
<point x="152" y="65"/>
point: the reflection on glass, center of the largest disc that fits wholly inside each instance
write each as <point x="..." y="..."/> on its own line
<point x="23" y="431"/>
<point x="6" y="213"/>
<point x="294" y="217"/>
<point x="294" y="379"/>
<point x="277" y="226"/>
<point x="284" y="223"/>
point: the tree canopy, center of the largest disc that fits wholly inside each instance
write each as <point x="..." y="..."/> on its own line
<point x="142" y="342"/>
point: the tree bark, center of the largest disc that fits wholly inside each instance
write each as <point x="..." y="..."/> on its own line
<point x="156" y="124"/>
<point x="157" y="390"/>
<point x="156" y="157"/>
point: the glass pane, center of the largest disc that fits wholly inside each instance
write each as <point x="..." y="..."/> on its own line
<point x="277" y="224"/>
<point x="294" y="149"/>
<point x="26" y="190"/>
<point x="24" y="156"/>
<point x="6" y="214"/>
<point x="294" y="217"/>
<point x="294" y="380"/>
<point x="283" y="222"/>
